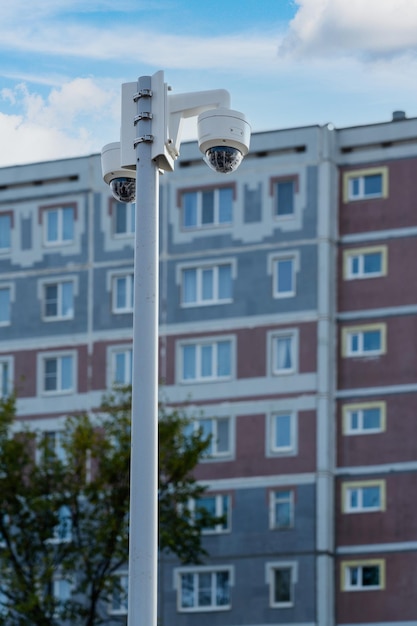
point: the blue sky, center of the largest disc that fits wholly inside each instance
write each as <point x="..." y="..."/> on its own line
<point x="286" y="63"/>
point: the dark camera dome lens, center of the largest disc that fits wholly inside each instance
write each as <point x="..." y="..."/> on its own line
<point x="123" y="189"/>
<point x="223" y="159"/>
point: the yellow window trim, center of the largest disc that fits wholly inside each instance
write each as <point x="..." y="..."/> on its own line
<point x="368" y="562"/>
<point x="360" y="406"/>
<point x="348" y="330"/>
<point x="347" y="254"/>
<point x="358" y="485"/>
<point x="370" y="171"/>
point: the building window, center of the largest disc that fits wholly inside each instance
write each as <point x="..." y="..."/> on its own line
<point x="206" y="285"/>
<point x="282" y="509"/>
<point x="366" y="340"/>
<point x="365" y="263"/>
<point x="62" y="589"/>
<point x="284" y="349"/>
<point x="364" y="418"/>
<point x="123" y="218"/>
<point x="207" y="208"/>
<point x="5" y="231"/>
<point x="58" y="300"/>
<point x="118" y="602"/>
<point x="5" y="377"/>
<point x="204" y="589"/>
<point x="123" y="293"/>
<point x="63" y="529"/>
<point x="284" y="195"/>
<point x="206" y="361"/>
<point x="121" y="366"/>
<point x="363" y="497"/>
<point x="58" y="225"/>
<point x="282" y="578"/>
<point x="53" y="444"/>
<point x="5" y="306"/>
<point x="365" y="184"/>
<point x="282" y="433"/>
<point x="58" y="375"/>
<point x="216" y="506"/>
<point x="363" y="575"/>
<point x="218" y="431"/>
<point x="283" y="352"/>
<point x="284" y="277"/>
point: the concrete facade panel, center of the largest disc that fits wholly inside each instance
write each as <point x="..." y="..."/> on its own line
<point x="253" y="269"/>
<point x="252" y="350"/>
<point x="395" y="603"/>
<point x="397" y="288"/>
<point x="252" y="450"/>
<point x="398" y="366"/>
<point x="394" y="212"/>
<point x="395" y="444"/>
<point x="396" y="524"/>
<point x="249" y="595"/>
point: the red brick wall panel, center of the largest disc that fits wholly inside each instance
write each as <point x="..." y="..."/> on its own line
<point x="395" y="211"/>
<point x="394" y="445"/>
<point x="396" y="603"/>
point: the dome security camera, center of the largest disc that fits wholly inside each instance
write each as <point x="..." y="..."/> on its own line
<point x="223" y="138"/>
<point x="121" y="181"/>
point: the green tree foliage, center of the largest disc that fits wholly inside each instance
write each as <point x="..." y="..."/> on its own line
<point x="64" y="517"/>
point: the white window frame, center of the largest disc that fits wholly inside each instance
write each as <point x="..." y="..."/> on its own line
<point x="220" y="510"/>
<point x="128" y="306"/>
<point x="359" y="487"/>
<point x="215" y="454"/>
<point x="59" y="285"/>
<point x="347" y="566"/>
<point x="361" y="194"/>
<point x="6" y="249"/>
<point x="130" y="209"/>
<point x="67" y="537"/>
<point x="44" y="356"/>
<point x="216" y="221"/>
<point x="277" y="293"/>
<point x="199" y="269"/>
<point x="57" y="448"/>
<point x="361" y="253"/>
<point x="348" y="333"/>
<point x="196" y="571"/>
<point x="291" y="449"/>
<point x="274" y="495"/>
<point x="60" y="241"/>
<point x="58" y="578"/>
<point x="127" y="351"/>
<point x="9" y="288"/>
<point x="361" y="174"/>
<point x="271" y="568"/>
<point x="199" y="343"/>
<point x="123" y="606"/>
<point x="273" y="338"/>
<point x="359" y="409"/>
<point x="283" y="180"/>
<point x="6" y="372"/>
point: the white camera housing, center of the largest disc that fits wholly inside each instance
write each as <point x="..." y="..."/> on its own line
<point x="122" y="181"/>
<point x="223" y="138"/>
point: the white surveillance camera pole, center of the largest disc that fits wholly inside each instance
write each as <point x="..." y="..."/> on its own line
<point x="149" y="142"/>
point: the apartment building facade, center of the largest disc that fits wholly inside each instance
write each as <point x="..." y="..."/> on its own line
<point x="376" y="381"/>
<point x="287" y="317"/>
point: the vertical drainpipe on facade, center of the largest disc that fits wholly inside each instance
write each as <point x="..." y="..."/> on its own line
<point x="90" y="272"/>
<point x="326" y="367"/>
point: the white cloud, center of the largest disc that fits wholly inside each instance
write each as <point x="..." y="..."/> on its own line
<point x="367" y="28"/>
<point x="158" y="49"/>
<point x="68" y="122"/>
